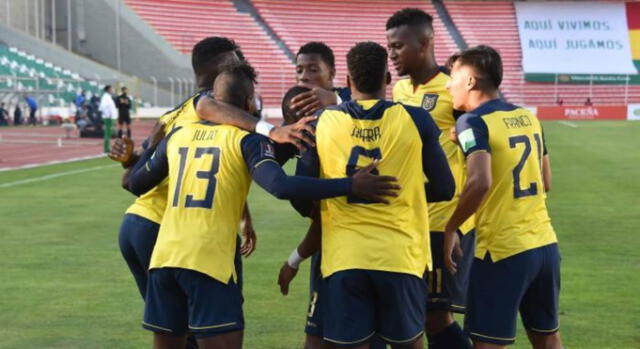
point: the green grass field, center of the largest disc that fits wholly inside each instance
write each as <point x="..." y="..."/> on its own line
<point x="63" y="283"/>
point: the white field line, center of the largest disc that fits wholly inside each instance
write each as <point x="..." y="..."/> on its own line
<point x="55" y="162"/>
<point x="54" y="175"/>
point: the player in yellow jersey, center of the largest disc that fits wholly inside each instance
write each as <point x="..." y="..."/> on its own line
<point x="140" y="224"/>
<point x="517" y="262"/>
<point x="411" y="48"/>
<point x="192" y="281"/>
<point x="374" y="256"/>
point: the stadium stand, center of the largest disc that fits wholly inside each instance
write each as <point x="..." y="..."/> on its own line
<point x="494" y="23"/>
<point x="183" y="22"/>
<point x="341" y="24"/>
<point x="24" y="73"/>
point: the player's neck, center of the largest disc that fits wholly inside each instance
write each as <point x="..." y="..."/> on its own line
<point x="424" y="74"/>
<point x="361" y="96"/>
<point x="477" y="98"/>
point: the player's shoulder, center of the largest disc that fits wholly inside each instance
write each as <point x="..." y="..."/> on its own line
<point x="492" y="106"/>
<point x="170" y="117"/>
<point x="403" y="84"/>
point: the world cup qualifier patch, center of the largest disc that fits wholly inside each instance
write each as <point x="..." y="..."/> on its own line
<point x="429" y="101"/>
<point x="267" y="149"/>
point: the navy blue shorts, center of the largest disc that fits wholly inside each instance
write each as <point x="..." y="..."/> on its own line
<point x="314" y="314"/>
<point x="316" y="304"/>
<point x="449" y="292"/>
<point x="182" y="300"/>
<point x="362" y="303"/>
<point x="137" y="237"/>
<point x="528" y="282"/>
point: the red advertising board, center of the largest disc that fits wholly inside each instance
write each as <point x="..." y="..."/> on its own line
<point x="567" y="112"/>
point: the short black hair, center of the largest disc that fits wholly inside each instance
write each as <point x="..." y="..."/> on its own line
<point x="319" y="48"/>
<point x="206" y="53"/>
<point x="288" y="113"/>
<point x="237" y="84"/>
<point x="106" y="88"/>
<point x="367" y="65"/>
<point x="486" y="62"/>
<point x="410" y="17"/>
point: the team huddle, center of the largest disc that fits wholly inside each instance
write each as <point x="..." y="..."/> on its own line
<point x="426" y="205"/>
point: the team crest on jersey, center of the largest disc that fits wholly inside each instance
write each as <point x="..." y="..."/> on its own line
<point x="429" y="101"/>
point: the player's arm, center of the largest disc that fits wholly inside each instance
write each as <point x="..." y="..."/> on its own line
<point x="441" y="185"/>
<point x="307" y="247"/>
<point x="223" y="113"/>
<point x="248" y="233"/>
<point x="473" y="139"/>
<point x="265" y="171"/>
<point x="152" y="168"/>
<point x="546" y="166"/>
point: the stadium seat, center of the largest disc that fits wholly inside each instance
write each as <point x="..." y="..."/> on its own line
<point x="184" y="22"/>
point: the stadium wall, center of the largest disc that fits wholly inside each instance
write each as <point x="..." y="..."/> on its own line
<point x="142" y="51"/>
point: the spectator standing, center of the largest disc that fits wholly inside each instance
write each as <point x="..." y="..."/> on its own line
<point x="80" y="102"/>
<point x="4" y="115"/>
<point x="109" y="111"/>
<point x="17" y="115"/>
<point x="124" y="103"/>
<point x="33" y="108"/>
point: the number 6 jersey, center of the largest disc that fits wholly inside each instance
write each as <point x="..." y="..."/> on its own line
<point x="513" y="218"/>
<point x="358" y="234"/>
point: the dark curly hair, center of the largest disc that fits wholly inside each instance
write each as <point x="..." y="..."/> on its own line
<point x="367" y="64"/>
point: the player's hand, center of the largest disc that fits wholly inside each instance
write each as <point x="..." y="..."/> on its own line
<point x="451" y="247"/>
<point x="249" y="238"/>
<point x="122" y="150"/>
<point x="287" y="273"/>
<point x="297" y="134"/>
<point x="309" y="102"/>
<point x="453" y="135"/>
<point x="372" y="187"/>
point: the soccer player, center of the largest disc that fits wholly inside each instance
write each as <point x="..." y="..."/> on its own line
<point x="316" y="69"/>
<point x="192" y="282"/>
<point x="411" y="49"/>
<point x="373" y="255"/>
<point x="517" y="261"/>
<point x="140" y="224"/>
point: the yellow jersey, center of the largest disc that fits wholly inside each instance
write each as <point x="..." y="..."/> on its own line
<point x="513" y="218"/>
<point x="152" y="204"/>
<point x="434" y="97"/>
<point x="208" y="182"/>
<point x="362" y="235"/>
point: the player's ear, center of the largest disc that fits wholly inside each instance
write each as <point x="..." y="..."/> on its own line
<point x="388" y="78"/>
<point x="348" y="81"/>
<point x="332" y="73"/>
<point x="471" y="83"/>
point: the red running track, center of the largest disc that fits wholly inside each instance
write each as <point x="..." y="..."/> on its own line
<point x="26" y="146"/>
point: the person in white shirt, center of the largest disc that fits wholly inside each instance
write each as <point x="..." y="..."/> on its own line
<point x="109" y="112"/>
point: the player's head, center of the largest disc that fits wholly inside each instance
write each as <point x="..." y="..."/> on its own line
<point x="367" y="65"/>
<point x="474" y="70"/>
<point x="290" y="116"/>
<point x="315" y="65"/>
<point x="107" y="89"/>
<point x="410" y="40"/>
<point x="209" y="54"/>
<point x="124" y="89"/>
<point x="235" y="85"/>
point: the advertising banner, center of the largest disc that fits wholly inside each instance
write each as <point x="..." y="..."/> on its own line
<point x="574" y="38"/>
<point x="583" y="113"/>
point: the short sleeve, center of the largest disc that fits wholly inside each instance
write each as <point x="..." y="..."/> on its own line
<point x="424" y="122"/>
<point x="472" y="133"/>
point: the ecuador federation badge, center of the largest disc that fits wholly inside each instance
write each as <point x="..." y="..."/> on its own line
<point x="429" y="101"/>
